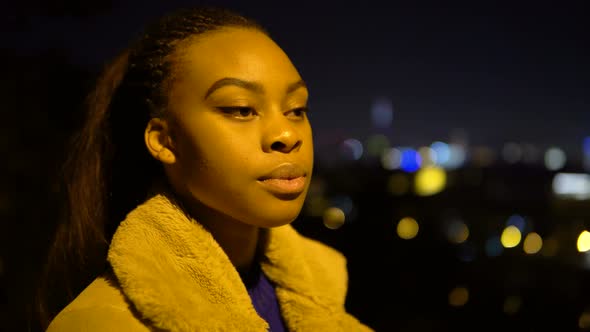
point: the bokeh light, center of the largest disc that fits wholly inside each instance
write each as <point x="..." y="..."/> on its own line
<point x="376" y="144"/>
<point x="457" y="157"/>
<point x="351" y="149"/>
<point x="430" y="181"/>
<point x="584" y="241"/>
<point x="458" y="296"/>
<point x="586" y="152"/>
<point x="572" y="185"/>
<point x="532" y="243"/>
<point x="334" y="218"/>
<point x="391" y="159"/>
<point x="382" y="112"/>
<point x="511" y="152"/>
<point x="407" y="228"/>
<point x="555" y="159"/>
<point x="510" y="237"/>
<point x="442" y="151"/>
<point x="342" y="202"/>
<point x="584" y="320"/>
<point x="427" y="156"/>
<point x="410" y="160"/>
<point x="457" y="232"/>
<point x="517" y="221"/>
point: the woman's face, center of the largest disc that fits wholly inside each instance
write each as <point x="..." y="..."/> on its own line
<point x="241" y="137"/>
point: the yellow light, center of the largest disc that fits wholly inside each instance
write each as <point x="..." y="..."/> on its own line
<point x="510" y="237"/>
<point x="333" y="218"/>
<point x="398" y="184"/>
<point x="512" y="305"/>
<point x="584" y="321"/>
<point x="584" y="241"/>
<point x="430" y="180"/>
<point x="407" y="228"/>
<point x="458" y="296"/>
<point x="532" y="243"/>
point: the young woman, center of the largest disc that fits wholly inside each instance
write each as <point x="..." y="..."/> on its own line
<point x="195" y="157"/>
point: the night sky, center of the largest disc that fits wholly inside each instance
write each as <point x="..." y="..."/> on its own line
<point x="510" y="72"/>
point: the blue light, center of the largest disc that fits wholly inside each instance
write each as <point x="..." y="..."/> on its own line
<point x="342" y="202"/>
<point x="382" y="113"/>
<point x="516" y="221"/>
<point x="443" y="152"/>
<point x="586" y="145"/>
<point x="351" y="149"/>
<point x="410" y="161"/>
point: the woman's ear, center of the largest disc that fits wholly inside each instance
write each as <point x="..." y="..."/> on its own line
<point x="159" y="141"/>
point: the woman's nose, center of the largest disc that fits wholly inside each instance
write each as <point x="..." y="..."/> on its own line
<point x="280" y="135"/>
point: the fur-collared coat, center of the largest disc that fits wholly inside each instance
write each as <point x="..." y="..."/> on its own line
<point x="169" y="274"/>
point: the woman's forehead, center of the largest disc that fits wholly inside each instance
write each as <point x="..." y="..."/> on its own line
<point x="243" y="53"/>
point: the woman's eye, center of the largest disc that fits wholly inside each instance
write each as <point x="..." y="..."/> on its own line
<point x="298" y="112"/>
<point x="238" y="111"/>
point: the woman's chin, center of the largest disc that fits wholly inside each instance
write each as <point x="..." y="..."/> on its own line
<point x="270" y="221"/>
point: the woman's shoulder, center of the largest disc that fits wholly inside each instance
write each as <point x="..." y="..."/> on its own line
<point x="99" y="307"/>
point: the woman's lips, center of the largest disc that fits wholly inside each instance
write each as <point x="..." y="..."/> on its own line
<point x="285" y="179"/>
<point x="284" y="186"/>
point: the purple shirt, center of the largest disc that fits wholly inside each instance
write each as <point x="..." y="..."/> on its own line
<point x="264" y="299"/>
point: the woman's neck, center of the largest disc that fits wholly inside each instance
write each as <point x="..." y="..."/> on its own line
<point x="241" y="242"/>
<point x="238" y="240"/>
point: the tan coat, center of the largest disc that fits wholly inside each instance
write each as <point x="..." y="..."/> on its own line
<point x="170" y="275"/>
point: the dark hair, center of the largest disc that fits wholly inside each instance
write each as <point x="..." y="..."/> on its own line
<point x="108" y="171"/>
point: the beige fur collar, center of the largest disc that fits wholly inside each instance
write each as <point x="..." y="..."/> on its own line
<point x="179" y="279"/>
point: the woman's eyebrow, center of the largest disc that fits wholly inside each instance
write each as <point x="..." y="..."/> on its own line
<point x="294" y="86"/>
<point x="249" y="85"/>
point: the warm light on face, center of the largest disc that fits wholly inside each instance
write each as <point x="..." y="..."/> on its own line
<point x="239" y="113"/>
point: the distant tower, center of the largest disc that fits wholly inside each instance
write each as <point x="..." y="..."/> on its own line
<point x="382" y="112"/>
